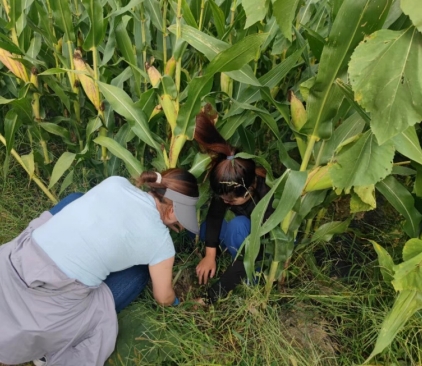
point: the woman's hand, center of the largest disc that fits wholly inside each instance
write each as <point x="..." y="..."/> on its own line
<point x="207" y="266"/>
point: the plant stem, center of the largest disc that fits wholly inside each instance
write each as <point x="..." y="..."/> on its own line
<point x="178" y="37"/>
<point x="165" y="35"/>
<point x="232" y="14"/>
<point x="271" y="277"/>
<point x="308" y="153"/>
<point x="31" y="175"/>
<point x="201" y="15"/>
<point x="144" y="40"/>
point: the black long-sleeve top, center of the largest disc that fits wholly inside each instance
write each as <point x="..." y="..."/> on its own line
<point x="216" y="213"/>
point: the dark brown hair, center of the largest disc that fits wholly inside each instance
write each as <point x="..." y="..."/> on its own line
<point x="228" y="175"/>
<point x="178" y="180"/>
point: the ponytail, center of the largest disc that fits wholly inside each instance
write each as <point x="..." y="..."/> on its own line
<point x="228" y="174"/>
<point x="178" y="180"/>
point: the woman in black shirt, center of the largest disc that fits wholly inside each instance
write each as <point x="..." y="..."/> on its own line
<point x="238" y="185"/>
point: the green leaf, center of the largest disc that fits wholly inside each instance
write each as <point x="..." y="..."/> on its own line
<point x="200" y="164"/>
<point x="67" y="181"/>
<point x="408" y="274"/>
<point x="390" y="94"/>
<point x="412" y="248"/>
<point x="407" y="144"/>
<point x="351" y="127"/>
<point x="326" y="231"/>
<point x="133" y="166"/>
<point x="218" y="16"/>
<point x="405" y="305"/>
<point x="385" y="261"/>
<point x="29" y="163"/>
<point x="63" y="164"/>
<point x="125" y="47"/>
<point x="362" y="162"/>
<point x="154" y="11"/>
<point x="412" y="8"/>
<point x="401" y="199"/>
<point x="292" y="191"/>
<point x="211" y="47"/>
<point x="363" y="17"/>
<point x="187" y="15"/>
<point x="123" y="105"/>
<point x="63" y="17"/>
<point x="96" y="32"/>
<point x="230" y="59"/>
<point x="255" y="11"/>
<point x="284" y="12"/>
<point x="56" y="130"/>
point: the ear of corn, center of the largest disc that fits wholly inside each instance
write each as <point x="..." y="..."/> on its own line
<point x="170" y="110"/>
<point x="154" y="76"/>
<point x="226" y="84"/>
<point x="298" y="111"/>
<point x="170" y="67"/>
<point x="318" y="179"/>
<point x="15" y="66"/>
<point x="86" y="78"/>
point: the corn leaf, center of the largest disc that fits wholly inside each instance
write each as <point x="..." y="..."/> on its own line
<point x="61" y="166"/>
<point x="401" y="199"/>
<point x="133" y="166"/>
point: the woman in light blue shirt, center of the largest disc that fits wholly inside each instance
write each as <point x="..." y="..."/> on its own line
<point x="64" y="276"/>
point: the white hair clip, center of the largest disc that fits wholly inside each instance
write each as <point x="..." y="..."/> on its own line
<point x="159" y="178"/>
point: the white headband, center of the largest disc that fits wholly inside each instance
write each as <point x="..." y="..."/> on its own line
<point x="159" y="178"/>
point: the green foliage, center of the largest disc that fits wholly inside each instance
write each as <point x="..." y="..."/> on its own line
<point x="113" y="87"/>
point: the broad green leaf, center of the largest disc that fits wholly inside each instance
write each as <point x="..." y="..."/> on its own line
<point x="200" y="164"/>
<point x="62" y="165"/>
<point x="308" y="202"/>
<point x="351" y="127"/>
<point x="230" y="125"/>
<point x="131" y="5"/>
<point x="187" y="15"/>
<point x="123" y="105"/>
<point x="252" y="242"/>
<point x="292" y="191"/>
<point x="326" y="231"/>
<point x="255" y="11"/>
<point x="96" y="32"/>
<point x="401" y="199"/>
<point x="11" y="125"/>
<point x="133" y="166"/>
<point x="407" y="144"/>
<point x="284" y="12"/>
<point x="125" y="47"/>
<point x="408" y="274"/>
<point x="211" y="47"/>
<point x="385" y="261"/>
<point x="122" y="137"/>
<point x="405" y="305"/>
<point x="218" y="17"/>
<point x="56" y="130"/>
<point x="412" y="8"/>
<point x="283" y="245"/>
<point x="390" y="94"/>
<point x="230" y="59"/>
<point x="154" y="11"/>
<point x="412" y="248"/>
<point x="261" y="161"/>
<point x="63" y="17"/>
<point x="363" y="17"/>
<point x="348" y="93"/>
<point x="15" y="11"/>
<point x="23" y="109"/>
<point x="362" y="162"/>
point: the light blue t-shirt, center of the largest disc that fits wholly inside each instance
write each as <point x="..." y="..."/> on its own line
<point x="112" y="227"/>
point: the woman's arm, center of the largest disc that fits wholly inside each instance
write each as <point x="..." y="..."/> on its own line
<point x="161" y="277"/>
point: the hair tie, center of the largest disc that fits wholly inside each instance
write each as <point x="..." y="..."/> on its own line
<point x="230" y="157"/>
<point x="159" y="178"/>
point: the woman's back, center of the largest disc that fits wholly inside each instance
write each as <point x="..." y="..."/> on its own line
<point x="112" y="227"/>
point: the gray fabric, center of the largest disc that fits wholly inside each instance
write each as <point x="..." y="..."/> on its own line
<point x="184" y="209"/>
<point x="45" y="313"/>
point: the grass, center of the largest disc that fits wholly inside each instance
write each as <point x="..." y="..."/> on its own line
<point x="319" y="317"/>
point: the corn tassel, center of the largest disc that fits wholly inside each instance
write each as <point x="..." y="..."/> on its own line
<point x="86" y="78"/>
<point x="15" y="66"/>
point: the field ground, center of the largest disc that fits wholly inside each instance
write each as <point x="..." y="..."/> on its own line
<point x="328" y="312"/>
